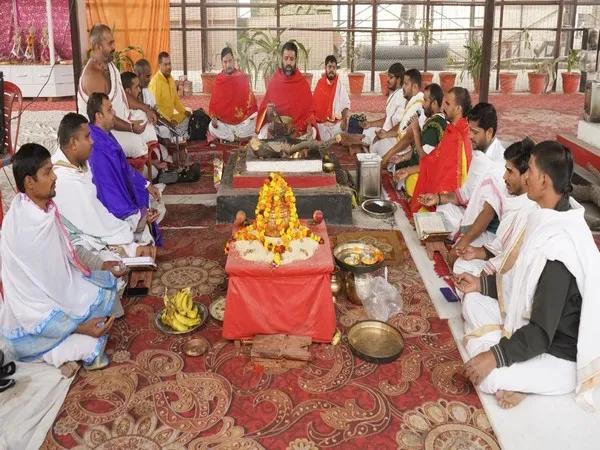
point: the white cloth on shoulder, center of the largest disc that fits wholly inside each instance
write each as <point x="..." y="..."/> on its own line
<point x="562" y="236"/>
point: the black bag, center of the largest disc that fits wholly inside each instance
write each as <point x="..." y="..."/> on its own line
<point x="198" y="125"/>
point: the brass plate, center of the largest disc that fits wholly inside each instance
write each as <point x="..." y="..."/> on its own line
<point x="375" y="341"/>
<point x="350" y="256"/>
<point x="217" y="309"/>
<point x="202" y="310"/>
<point x="196" y="347"/>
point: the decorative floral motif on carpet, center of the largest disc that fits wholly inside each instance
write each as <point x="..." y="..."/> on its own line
<point x="154" y="396"/>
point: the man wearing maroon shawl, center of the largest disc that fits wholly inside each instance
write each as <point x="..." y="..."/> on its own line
<point x="232" y="105"/>
<point x="288" y="94"/>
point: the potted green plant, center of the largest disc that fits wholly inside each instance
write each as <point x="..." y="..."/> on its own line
<point x="447" y="79"/>
<point x="356" y="80"/>
<point x="422" y="36"/>
<point x="570" y="80"/>
<point x="473" y="61"/>
<point x="123" y="60"/>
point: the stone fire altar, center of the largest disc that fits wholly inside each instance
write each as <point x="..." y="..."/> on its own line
<point x="245" y="172"/>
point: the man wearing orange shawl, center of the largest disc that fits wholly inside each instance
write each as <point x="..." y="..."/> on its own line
<point x="288" y="94"/>
<point x="445" y="168"/>
<point x="331" y="102"/>
<point x="232" y="105"/>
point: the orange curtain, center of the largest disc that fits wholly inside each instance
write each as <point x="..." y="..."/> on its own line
<point x="138" y="23"/>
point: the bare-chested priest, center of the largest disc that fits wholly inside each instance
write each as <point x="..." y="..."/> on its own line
<point x="101" y="75"/>
<point x="541" y="334"/>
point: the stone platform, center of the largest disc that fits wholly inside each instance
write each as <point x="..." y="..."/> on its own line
<point x="334" y="200"/>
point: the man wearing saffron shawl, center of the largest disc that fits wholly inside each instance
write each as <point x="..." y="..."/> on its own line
<point x="445" y="168"/>
<point x="232" y="105"/>
<point x="331" y="102"/>
<point x="288" y="94"/>
<point x="124" y="192"/>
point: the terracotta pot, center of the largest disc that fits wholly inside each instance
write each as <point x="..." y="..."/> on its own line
<point x="570" y="82"/>
<point x="426" y="79"/>
<point x="356" y="81"/>
<point x="208" y="82"/>
<point x="507" y="82"/>
<point x="308" y="77"/>
<point x="447" y="80"/>
<point x="537" y="82"/>
<point x="383" y="79"/>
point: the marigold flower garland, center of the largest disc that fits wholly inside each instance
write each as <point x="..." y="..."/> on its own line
<point x="276" y="201"/>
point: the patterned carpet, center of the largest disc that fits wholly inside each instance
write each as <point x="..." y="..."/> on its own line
<point x="153" y="396"/>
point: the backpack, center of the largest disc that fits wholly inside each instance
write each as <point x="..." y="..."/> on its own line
<point x="198" y="125"/>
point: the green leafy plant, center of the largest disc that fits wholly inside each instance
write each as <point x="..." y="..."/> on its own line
<point x="573" y="60"/>
<point x="122" y="58"/>
<point x="260" y="53"/>
<point x="473" y="60"/>
<point x="423" y="35"/>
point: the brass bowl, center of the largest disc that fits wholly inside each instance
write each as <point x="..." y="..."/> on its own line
<point x="328" y="167"/>
<point x="217" y="309"/>
<point x="350" y="288"/>
<point x="196" y="347"/>
<point x="375" y="341"/>
<point x="350" y="256"/>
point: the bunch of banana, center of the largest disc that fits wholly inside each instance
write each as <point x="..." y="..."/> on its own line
<point x="180" y="312"/>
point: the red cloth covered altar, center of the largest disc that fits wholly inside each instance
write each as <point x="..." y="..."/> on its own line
<point x="293" y="298"/>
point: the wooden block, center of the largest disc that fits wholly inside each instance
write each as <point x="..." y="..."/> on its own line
<point x="281" y="346"/>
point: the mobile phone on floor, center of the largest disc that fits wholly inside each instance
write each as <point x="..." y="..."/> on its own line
<point x="449" y="295"/>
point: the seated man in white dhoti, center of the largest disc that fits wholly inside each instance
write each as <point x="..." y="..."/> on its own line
<point x="89" y="223"/>
<point x="515" y="210"/>
<point x="232" y="106"/>
<point x="101" y="75"/>
<point x="541" y="335"/>
<point x="332" y="103"/>
<point x="412" y="111"/>
<point x="54" y="308"/>
<point x="463" y="208"/>
<point x="386" y="128"/>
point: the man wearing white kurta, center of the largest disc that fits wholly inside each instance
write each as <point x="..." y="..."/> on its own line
<point x="540" y="336"/>
<point x="90" y="224"/>
<point x="484" y="183"/>
<point x="386" y="128"/>
<point x="101" y="75"/>
<point x="516" y="207"/>
<point x="55" y="308"/>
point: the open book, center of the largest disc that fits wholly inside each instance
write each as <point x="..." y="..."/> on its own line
<point x="431" y="226"/>
<point x="140" y="263"/>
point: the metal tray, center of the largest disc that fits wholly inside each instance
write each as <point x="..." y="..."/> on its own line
<point x="378" y="208"/>
<point x="343" y="251"/>
<point x="216" y="304"/>
<point x="202" y="310"/>
<point x="375" y="341"/>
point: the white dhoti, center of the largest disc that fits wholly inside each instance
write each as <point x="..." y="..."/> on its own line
<point x="382" y="146"/>
<point x="369" y="135"/>
<point x="181" y="130"/>
<point x="474" y="266"/>
<point x="228" y="132"/>
<point x="545" y="374"/>
<point x="136" y="145"/>
<point x="329" y="130"/>
<point x="76" y="347"/>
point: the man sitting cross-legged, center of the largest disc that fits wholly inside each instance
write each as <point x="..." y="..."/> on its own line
<point x="382" y="133"/>
<point x="445" y="168"/>
<point x="425" y="138"/>
<point x="288" y="94"/>
<point x="122" y="190"/>
<point x="54" y="308"/>
<point x="101" y="75"/>
<point x="232" y="107"/>
<point x="463" y="208"/>
<point x="541" y="335"/>
<point x="332" y="103"/>
<point x="88" y="221"/>
<point x="515" y="210"/>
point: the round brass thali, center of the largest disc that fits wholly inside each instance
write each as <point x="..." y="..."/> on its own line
<point x="375" y="341"/>
<point x="358" y="257"/>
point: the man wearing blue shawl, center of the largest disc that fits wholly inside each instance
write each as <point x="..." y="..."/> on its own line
<point x="122" y="190"/>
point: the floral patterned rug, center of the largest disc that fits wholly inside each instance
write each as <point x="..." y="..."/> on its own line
<point x="154" y="396"/>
